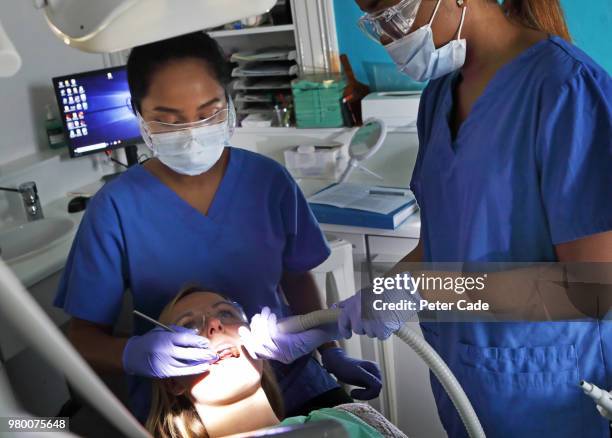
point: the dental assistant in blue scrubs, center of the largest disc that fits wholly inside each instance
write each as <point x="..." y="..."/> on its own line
<point x="199" y="212"/>
<point x="514" y="165"/>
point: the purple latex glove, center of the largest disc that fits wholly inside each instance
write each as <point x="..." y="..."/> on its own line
<point x="160" y="353"/>
<point x="356" y="372"/>
<point x="376" y="324"/>
<point x="263" y="341"/>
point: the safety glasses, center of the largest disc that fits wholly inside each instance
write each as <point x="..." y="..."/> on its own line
<point x="392" y="23"/>
<point x="219" y="117"/>
<point x="227" y="312"/>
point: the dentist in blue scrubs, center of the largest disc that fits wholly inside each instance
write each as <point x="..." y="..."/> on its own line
<point x="514" y="165"/>
<point x="199" y="212"/>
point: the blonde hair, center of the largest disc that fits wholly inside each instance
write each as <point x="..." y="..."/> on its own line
<point x="175" y="416"/>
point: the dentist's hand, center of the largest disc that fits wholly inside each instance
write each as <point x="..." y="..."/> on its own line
<point x="362" y="373"/>
<point x="264" y="341"/>
<point x="160" y="354"/>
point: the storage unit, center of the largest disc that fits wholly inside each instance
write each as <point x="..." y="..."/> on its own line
<point x="264" y="60"/>
<point x="302" y="39"/>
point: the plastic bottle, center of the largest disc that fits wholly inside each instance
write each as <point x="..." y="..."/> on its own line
<point x="55" y="130"/>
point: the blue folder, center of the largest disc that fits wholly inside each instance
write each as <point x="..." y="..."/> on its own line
<point x="328" y="214"/>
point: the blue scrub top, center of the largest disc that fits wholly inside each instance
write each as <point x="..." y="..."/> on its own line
<point x="530" y="168"/>
<point x="138" y="234"/>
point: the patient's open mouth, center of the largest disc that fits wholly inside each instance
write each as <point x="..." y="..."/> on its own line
<point x="227" y="351"/>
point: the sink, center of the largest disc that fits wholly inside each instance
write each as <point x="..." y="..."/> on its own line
<point x="23" y="241"/>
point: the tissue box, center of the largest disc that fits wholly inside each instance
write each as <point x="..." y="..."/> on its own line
<point x="315" y="161"/>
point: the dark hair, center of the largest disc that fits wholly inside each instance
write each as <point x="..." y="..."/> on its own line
<point x="145" y="60"/>
<point x="543" y="15"/>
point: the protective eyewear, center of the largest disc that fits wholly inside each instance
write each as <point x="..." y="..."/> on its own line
<point x="227" y="312"/>
<point x="392" y="23"/>
<point x="219" y="117"/>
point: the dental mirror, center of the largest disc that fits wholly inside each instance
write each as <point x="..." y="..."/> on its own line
<point x="366" y="141"/>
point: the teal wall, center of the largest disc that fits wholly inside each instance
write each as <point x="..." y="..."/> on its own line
<point x="590" y="23"/>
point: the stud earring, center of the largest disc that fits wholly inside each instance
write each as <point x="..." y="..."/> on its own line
<point x="460" y="3"/>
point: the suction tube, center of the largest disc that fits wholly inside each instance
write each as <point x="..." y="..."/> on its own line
<point x="602" y="399"/>
<point x="296" y="324"/>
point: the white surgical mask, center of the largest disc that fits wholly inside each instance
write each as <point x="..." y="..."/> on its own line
<point x="191" y="150"/>
<point x="417" y="56"/>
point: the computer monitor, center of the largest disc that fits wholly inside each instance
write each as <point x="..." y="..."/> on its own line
<point x="96" y="112"/>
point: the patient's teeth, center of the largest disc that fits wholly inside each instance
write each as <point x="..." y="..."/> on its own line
<point x="231" y="351"/>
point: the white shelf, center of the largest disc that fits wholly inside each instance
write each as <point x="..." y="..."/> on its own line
<point x="293" y="130"/>
<point x="252" y="31"/>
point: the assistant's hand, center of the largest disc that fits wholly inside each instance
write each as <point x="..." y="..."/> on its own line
<point x="160" y="353"/>
<point x="376" y="324"/>
<point x="264" y="341"/>
<point x="356" y="372"/>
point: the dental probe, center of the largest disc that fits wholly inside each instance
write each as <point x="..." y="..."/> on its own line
<point x="602" y="398"/>
<point x="436" y="364"/>
<point x="153" y="321"/>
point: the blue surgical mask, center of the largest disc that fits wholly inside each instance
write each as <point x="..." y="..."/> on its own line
<point x="192" y="151"/>
<point x="417" y="56"/>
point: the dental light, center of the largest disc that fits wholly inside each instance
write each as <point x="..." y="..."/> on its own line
<point x="113" y="25"/>
<point x="299" y="323"/>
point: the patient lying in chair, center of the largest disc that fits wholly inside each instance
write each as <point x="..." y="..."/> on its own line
<point x="238" y="393"/>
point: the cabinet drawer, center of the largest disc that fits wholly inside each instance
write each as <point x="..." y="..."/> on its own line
<point x="390" y="249"/>
<point x="357" y="241"/>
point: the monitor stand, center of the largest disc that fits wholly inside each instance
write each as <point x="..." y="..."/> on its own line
<point x="131" y="154"/>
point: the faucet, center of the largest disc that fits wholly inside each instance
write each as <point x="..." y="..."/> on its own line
<point x="31" y="201"/>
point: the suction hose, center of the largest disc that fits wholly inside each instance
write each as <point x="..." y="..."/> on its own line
<point x="602" y="399"/>
<point x="296" y="324"/>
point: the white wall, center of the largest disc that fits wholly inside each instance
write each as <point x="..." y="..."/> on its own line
<point x="23" y="97"/>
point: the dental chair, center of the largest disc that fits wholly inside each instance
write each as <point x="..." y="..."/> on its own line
<point x="28" y="319"/>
